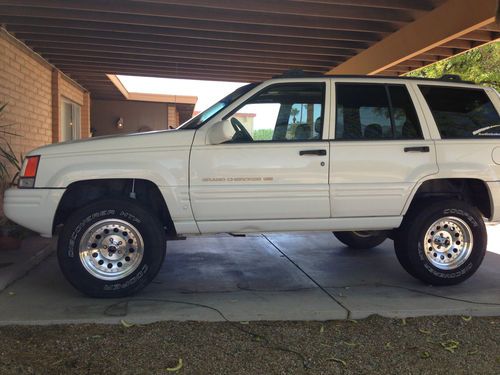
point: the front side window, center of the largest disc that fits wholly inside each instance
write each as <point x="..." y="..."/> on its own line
<point x="462" y="112"/>
<point x="375" y="111"/>
<point x="281" y="112"/>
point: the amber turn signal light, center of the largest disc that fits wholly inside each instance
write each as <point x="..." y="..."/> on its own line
<point x="28" y="174"/>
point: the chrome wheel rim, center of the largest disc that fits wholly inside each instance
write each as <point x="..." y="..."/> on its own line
<point x="448" y="243"/>
<point x="111" y="249"/>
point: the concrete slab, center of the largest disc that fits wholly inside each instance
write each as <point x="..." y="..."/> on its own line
<point x="372" y="281"/>
<point x="241" y="278"/>
<point x="14" y="264"/>
<point x="311" y="277"/>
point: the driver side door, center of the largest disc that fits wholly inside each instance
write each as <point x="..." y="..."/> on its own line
<point x="276" y="165"/>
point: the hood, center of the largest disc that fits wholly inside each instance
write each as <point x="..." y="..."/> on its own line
<point x="122" y="142"/>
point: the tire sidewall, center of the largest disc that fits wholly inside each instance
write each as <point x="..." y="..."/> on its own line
<point x="148" y="226"/>
<point x="421" y="266"/>
<point x="355" y="241"/>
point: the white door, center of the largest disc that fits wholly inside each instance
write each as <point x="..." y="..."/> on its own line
<point x="70" y="120"/>
<point x="275" y="166"/>
<point x="380" y="149"/>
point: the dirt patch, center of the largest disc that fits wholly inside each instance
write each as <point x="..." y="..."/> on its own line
<point x="432" y="345"/>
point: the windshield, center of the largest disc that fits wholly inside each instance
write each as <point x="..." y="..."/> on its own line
<point x="206" y="115"/>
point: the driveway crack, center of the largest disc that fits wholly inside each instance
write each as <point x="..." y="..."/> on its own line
<point x="332" y="297"/>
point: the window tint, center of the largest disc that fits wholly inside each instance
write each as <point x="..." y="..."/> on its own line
<point x="285" y="112"/>
<point x="406" y="124"/>
<point x="375" y="111"/>
<point x="462" y="112"/>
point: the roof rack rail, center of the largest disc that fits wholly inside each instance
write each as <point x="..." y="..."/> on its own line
<point x="451" y="77"/>
<point x="295" y="73"/>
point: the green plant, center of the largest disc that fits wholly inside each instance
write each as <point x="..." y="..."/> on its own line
<point x="480" y="65"/>
<point x="8" y="157"/>
<point x="263" y="134"/>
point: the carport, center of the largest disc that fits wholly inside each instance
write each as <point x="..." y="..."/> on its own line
<point x="245" y="40"/>
<point x="275" y="276"/>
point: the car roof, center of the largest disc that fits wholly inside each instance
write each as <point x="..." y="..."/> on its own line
<point x="447" y="78"/>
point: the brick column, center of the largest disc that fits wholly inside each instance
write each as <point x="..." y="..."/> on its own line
<point x="56" y="105"/>
<point x="85" y="120"/>
<point x="173" y="116"/>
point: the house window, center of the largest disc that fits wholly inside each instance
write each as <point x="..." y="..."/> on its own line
<point x="70" y="120"/>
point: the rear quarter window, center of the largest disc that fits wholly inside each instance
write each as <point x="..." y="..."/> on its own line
<point x="462" y="112"/>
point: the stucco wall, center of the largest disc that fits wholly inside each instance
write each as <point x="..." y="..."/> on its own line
<point x="136" y="115"/>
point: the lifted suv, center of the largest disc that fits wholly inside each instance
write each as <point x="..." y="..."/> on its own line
<point x="368" y="158"/>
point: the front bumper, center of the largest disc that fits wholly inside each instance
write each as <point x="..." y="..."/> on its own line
<point x="33" y="208"/>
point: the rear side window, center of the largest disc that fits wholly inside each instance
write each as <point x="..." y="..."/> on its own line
<point x="462" y="112"/>
<point x="375" y="111"/>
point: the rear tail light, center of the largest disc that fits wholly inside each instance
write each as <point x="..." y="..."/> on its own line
<point x="28" y="172"/>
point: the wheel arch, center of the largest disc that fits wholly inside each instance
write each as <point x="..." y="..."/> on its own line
<point x="471" y="190"/>
<point x="81" y="193"/>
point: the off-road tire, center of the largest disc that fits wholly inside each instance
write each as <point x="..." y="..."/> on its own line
<point x="361" y="240"/>
<point x="414" y="244"/>
<point x="124" y="212"/>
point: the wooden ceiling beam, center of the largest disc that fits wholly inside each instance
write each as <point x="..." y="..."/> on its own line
<point x="458" y="44"/>
<point x="296" y="8"/>
<point x="440" y="51"/>
<point x="324" y="39"/>
<point x="103" y="62"/>
<point x="94" y="61"/>
<point x="478" y="36"/>
<point x="420" y="5"/>
<point x="462" y="17"/>
<point x="308" y="47"/>
<point x="178" y="17"/>
<point x="426" y="58"/>
<point x="34" y="38"/>
<point x="137" y="54"/>
<point x="168" y="74"/>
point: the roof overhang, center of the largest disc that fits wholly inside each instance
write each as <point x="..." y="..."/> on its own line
<point x="147" y="97"/>
<point x="244" y="40"/>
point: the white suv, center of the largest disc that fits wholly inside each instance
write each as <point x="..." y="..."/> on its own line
<point x="368" y="158"/>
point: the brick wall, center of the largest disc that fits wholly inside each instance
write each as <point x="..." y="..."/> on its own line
<point x="173" y="117"/>
<point x="63" y="87"/>
<point x="70" y="91"/>
<point x="25" y="84"/>
<point x="32" y="88"/>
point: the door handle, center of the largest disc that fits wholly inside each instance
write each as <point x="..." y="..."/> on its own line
<point x="417" y="149"/>
<point x="313" y="152"/>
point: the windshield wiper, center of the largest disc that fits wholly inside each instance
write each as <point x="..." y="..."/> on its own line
<point x="479" y="131"/>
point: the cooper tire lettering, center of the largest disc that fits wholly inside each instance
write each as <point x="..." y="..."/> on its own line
<point x="154" y="245"/>
<point x="415" y="254"/>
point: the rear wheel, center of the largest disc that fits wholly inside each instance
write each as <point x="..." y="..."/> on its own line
<point x="442" y="244"/>
<point x="111" y="248"/>
<point x="361" y="239"/>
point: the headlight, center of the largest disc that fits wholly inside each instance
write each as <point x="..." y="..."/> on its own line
<point x="28" y="172"/>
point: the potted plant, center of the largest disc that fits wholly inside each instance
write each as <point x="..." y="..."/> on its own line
<point x="11" y="235"/>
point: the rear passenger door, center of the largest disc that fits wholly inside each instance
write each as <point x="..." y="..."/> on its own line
<point x="380" y="148"/>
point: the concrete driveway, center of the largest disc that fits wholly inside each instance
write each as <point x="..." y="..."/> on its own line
<point x="300" y="276"/>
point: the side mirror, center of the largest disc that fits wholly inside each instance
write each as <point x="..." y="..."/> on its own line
<point x="220" y="132"/>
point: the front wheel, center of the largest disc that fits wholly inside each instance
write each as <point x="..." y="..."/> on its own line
<point x="111" y="248"/>
<point x="443" y="243"/>
<point x="361" y="239"/>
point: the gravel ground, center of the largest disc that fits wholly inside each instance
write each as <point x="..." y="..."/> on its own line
<point x="431" y="345"/>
